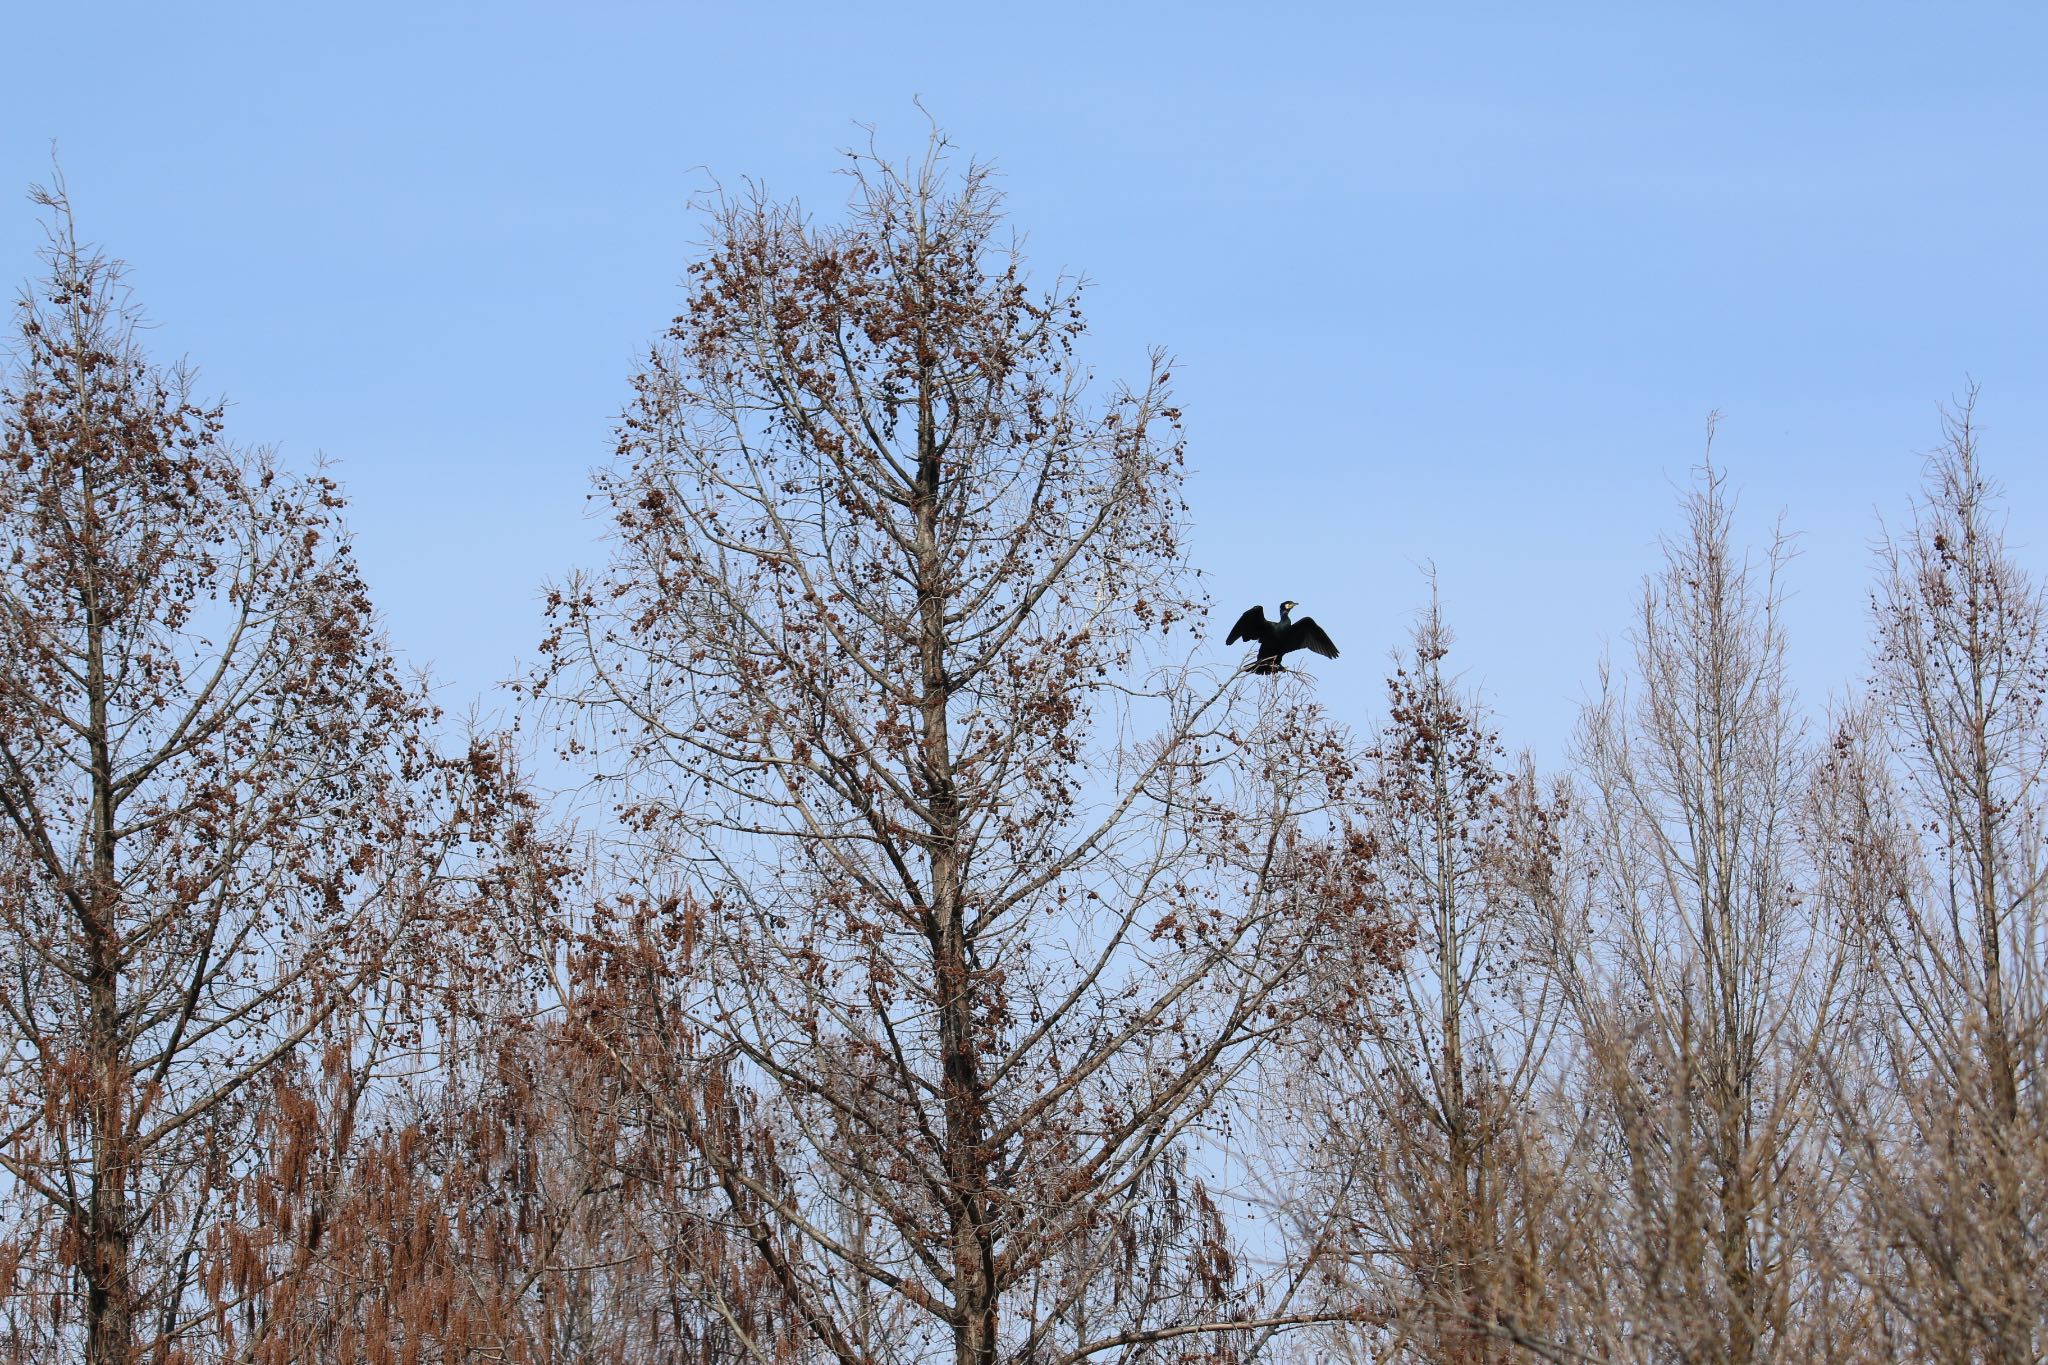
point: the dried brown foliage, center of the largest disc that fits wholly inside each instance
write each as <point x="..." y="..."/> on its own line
<point x="520" y="1210"/>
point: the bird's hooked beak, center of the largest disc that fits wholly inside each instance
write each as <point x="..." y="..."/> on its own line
<point x="1289" y="606"/>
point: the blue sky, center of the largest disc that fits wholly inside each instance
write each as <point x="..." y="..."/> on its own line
<point x="1452" y="283"/>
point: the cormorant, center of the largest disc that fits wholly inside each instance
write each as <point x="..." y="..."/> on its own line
<point x="1277" y="638"/>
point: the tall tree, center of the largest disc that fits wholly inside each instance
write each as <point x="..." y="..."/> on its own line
<point x="225" y="837"/>
<point x="1701" y="992"/>
<point x="877" y="657"/>
<point x="1428" y="1110"/>
<point x="1933" y="823"/>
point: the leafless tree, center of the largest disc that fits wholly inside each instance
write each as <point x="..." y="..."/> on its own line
<point x="226" y="845"/>
<point x="1702" y="995"/>
<point x="1425" y="1103"/>
<point x="1932" y="829"/>
<point x="976" y="902"/>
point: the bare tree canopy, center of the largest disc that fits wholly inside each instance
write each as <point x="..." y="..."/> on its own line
<point x="981" y="900"/>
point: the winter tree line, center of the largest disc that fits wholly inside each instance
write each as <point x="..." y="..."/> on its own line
<point x="947" y="953"/>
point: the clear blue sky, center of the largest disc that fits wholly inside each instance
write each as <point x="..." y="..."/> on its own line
<point x="1449" y="283"/>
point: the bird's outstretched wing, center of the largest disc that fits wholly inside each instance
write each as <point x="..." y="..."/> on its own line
<point x="1250" y="626"/>
<point x="1306" y="634"/>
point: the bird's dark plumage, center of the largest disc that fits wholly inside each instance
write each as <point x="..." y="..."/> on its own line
<point x="1278" y="638"/>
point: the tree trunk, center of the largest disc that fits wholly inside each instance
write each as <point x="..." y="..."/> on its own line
<point x="104" y="1249"/>
<point x="966" y="1156"/>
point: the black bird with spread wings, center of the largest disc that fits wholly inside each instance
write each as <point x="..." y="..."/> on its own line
<point x="1277" y="638"/>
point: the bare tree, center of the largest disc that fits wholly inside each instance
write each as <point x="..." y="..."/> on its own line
<point x="875" y="663"/>
<point x="1702" y="995"/>
<point x="227" y="841"/>
<point x="1426" y="1102"/>
<point x="1933" y="833"/>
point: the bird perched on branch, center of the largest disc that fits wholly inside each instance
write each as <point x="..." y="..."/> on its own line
<point x="1278" y="638"/>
